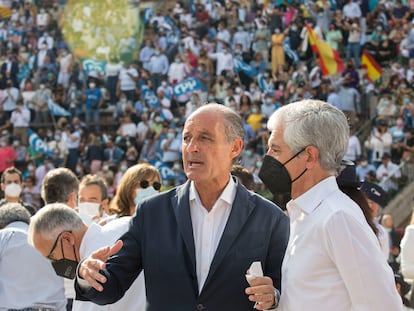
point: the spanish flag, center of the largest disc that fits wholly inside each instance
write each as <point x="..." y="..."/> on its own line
<point x="374" y="70"/>
<point x="328" y="58"/>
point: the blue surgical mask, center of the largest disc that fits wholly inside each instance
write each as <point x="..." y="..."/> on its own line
<point x="170" y="135"/>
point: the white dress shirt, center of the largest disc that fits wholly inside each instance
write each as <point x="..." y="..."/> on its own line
<point x="208" y="227"/>
<point x="97" y="237"/>
<point x="333" y="260"/>
<point x="407" y="253"/>
<point x="20" y="118"/>
<point x="27" y="279"/>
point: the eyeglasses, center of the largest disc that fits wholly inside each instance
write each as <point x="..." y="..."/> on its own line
<point x="55" y="244"/>
<point x="145" y="183"/>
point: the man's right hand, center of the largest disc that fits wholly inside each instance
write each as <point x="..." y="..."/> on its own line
<point x="89" y="268"/>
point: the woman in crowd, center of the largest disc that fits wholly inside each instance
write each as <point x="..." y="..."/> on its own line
<point x="137" y="183"/>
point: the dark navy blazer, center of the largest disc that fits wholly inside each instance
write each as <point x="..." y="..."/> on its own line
<point x="160" y="241"/>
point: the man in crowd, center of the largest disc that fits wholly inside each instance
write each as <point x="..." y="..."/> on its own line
<point x="61" y="236"/>
<point x="207" y="224"/>
<point x="27" y="281"/>
<point x="12" y="186"/>
<point x="333" y="260"/>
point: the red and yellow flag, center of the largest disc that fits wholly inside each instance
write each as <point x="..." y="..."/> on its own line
<point x="328" y="57"/>
<point x="374" y="71"/>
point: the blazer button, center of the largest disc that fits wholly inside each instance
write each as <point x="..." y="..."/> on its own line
<point x="200" y="306"/>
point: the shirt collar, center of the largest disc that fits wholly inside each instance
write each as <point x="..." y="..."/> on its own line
<point x="228" y="194"/>
<point x="312" y="198"/>
<point x="17" y="225"/>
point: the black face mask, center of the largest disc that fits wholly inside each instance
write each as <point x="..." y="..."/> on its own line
<point x="66" y="267"/>
<point x="275" y="176"/>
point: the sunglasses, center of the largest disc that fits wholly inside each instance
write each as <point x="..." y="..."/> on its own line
<point x="144" y="184"/>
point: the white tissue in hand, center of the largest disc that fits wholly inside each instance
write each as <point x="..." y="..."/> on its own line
<point x="255" y="270"/>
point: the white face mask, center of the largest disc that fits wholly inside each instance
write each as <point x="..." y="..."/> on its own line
<point x="142" y="194"/>
<point x="89" y="208"/>
<point x="13" y="190"/>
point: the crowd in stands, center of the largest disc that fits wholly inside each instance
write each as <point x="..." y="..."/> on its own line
<point x="252" y="56"/>
<point x="204" y="40"/>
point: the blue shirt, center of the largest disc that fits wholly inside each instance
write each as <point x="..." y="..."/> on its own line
<point x="93" y="97"/>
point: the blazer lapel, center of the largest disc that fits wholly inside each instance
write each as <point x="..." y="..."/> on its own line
<point x="181" y="206"/>
<point x="241" y="210"/>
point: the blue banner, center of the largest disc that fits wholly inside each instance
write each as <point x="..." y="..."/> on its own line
<point x="165" y="171"/>
<point x="240" y="65"/>
<point x="38" y="145"/>
<point x="149" y="97"/>
<point x="187" y="86"/>
<point x="93" y="65"/>
<point x="57" y="110"/>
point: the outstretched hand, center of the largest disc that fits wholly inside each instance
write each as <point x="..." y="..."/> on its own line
<point x="89" y="268"/>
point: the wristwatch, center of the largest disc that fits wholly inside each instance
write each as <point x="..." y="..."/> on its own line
<point x="277" y="299"/>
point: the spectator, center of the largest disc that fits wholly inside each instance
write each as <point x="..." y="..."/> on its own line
<point x="127" y="79"/>
<point x="299" y="152"/>
<point x="7" y="154"/>
<point x="379" y="142"/>
<point x="57" y="223"/>
<point x="40" y="103"/>
<point x="20" y="118"/>
<point x="93" y="98"/>
<point x="388" y="174"/>
<point x="113" y="153"/>
<point x="18" y="293"/>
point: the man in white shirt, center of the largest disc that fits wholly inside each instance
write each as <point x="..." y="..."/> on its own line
<point x="27" y="279"/>
<point x="127" y="82"/>
<point x="388" y="173"/>
<point x="333" y="260"/>
<point x="20" y="119"/>
<point x="224" y="61"/>
<point x="70" y="240"/>
<point x="10" y="97"/>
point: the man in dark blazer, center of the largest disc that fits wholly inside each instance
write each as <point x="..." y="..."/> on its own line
<point x="9" y="70"/>
<point x="197" y="241"/>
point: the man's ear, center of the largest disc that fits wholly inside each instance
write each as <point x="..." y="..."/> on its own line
<point x="237" y="148"/>
<point x="312" y="156"/>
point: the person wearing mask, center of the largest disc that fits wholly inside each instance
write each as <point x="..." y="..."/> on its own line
<point x="212" y="139"/>
<point x="171" y="147"/>
<point x="93" y="98"/>
<point x="93" y="201"/>
<point x="12" y="186"/>
<point x="72" y="137"/>
<point x="28" y="281"/>
<point x="20" y="119"/>
<point x="10" y="97"/>
<point x="40" y="103"/>
<point x="7" y="154"/>
<point x="303" y="161"/>
<point x="60" y="235"/>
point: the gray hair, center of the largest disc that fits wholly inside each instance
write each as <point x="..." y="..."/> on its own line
<point x="53" y="219"/>
<point x="233" y="123"/>
<point x="314" y="123"/>
<point x="11" y="212"/>
<point x="58" y="185"/>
